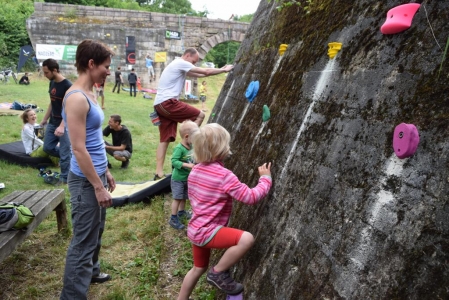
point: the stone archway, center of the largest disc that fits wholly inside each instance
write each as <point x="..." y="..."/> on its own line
<point x="224" y="36"/>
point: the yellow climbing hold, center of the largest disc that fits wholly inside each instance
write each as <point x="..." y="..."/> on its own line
<point x="282" y="49"/>
<point x="334" y="47"/>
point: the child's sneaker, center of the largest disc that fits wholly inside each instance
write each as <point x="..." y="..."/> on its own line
<point x="174" y="222"/>
<point x="182" y="214"/>
<point x="224" y="282"/>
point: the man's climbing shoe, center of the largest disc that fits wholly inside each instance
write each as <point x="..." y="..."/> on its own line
<point x="100" y="278"/>
<point x="224" y="282"/>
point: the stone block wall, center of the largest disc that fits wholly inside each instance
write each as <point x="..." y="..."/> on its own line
<point x="61" y="24"/>
<point x="345" y="218"/>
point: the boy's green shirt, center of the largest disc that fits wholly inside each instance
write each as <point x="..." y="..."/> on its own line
<point x="181" y="155"/>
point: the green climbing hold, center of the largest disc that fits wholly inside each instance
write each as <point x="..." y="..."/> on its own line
<point x="266" y="113"/>
<point x="213" y="114"/>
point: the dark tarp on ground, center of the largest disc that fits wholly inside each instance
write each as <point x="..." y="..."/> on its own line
<point x="15" y="153"/>
<point x="136" y="192"/>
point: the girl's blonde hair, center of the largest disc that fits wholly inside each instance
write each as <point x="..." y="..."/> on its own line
<point x="211" y="143"/>
<point x="24" y="115"/>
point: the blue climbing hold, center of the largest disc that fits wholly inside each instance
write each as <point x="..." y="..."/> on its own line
<point x="252" y="90"/>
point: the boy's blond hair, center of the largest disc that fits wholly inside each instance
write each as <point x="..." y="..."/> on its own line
<point x="211" y="143"/>
<point x="187" y="127"/>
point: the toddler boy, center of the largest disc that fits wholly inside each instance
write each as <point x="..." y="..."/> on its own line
<point x="182" y="163"/>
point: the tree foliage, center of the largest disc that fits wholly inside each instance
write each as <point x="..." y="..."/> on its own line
<point x="13" y="33"/>
<point x="305" y="4"/>
<point x="244" y="18"/>
<point x="223" y="53"/>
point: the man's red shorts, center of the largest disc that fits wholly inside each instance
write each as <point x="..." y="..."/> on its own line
<point x="171" y="112"/>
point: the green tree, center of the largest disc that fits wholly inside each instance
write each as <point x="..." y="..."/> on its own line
<point x="13" y="33"/>
<point x="172" y="6"/>
<point x="81" y="2"/>
<point x="244" y="18"/>
<point x="223" y="53"/>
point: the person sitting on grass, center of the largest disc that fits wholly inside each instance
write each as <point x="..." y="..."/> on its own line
<point x="122" y="143"/>
<point x="212" y="189"/>
<point x="24" y="80"/>
<point x="31" y="142"/>
<point x="182" y="163"/>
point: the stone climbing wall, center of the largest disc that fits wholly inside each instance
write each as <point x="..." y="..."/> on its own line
<point x="345" y="219"/>
<point x="60" y="24"/>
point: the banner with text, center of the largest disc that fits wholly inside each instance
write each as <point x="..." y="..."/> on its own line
<point x="172" y="35"/>
<point x="57" y="52"/>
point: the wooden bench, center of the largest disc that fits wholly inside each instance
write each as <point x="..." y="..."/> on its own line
<point x="41" y="203"/>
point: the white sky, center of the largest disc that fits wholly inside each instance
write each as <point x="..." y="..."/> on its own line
<point x="223" y="9"/>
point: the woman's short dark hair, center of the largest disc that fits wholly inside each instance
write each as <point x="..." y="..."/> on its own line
<point x="90" y="49"/>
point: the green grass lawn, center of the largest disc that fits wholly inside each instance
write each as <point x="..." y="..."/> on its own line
<point x="145" y="256"/>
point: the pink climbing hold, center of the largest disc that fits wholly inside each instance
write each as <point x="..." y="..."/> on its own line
<point x="235" y="297"/>
<point x="405" y="140"/>
<point x="399" y="18"/>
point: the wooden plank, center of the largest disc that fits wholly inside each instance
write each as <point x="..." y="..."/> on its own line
<point x="46" y="203"/>
<point x="31" y="199"/>
<point x="11" y="197"/>
<point x="41" y="203"/>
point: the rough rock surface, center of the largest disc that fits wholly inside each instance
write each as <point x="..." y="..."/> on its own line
<point x="346" y="219"/>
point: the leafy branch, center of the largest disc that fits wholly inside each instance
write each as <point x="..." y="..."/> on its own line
<point x="305" y="4"/>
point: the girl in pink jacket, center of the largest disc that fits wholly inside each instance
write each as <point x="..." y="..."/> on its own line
<point x="212" y="188"/>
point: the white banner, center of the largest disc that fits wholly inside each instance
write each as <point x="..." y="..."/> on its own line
<point x="57" y="52"/>
<point x="49" y="51"/>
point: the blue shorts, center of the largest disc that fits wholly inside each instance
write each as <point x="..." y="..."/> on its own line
<point x="179" y="190"/>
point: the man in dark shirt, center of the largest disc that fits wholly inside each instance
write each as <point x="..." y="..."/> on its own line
<point x="118" y="80"/>
<point x="132" y="79"/>
<point x="55" y="132"/>
<point x="24" y="79"/>
<point x="122" y="143"/>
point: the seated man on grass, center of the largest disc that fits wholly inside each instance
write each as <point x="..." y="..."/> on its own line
<point x="24" y="80"/>
<point x="122" y="144"/>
